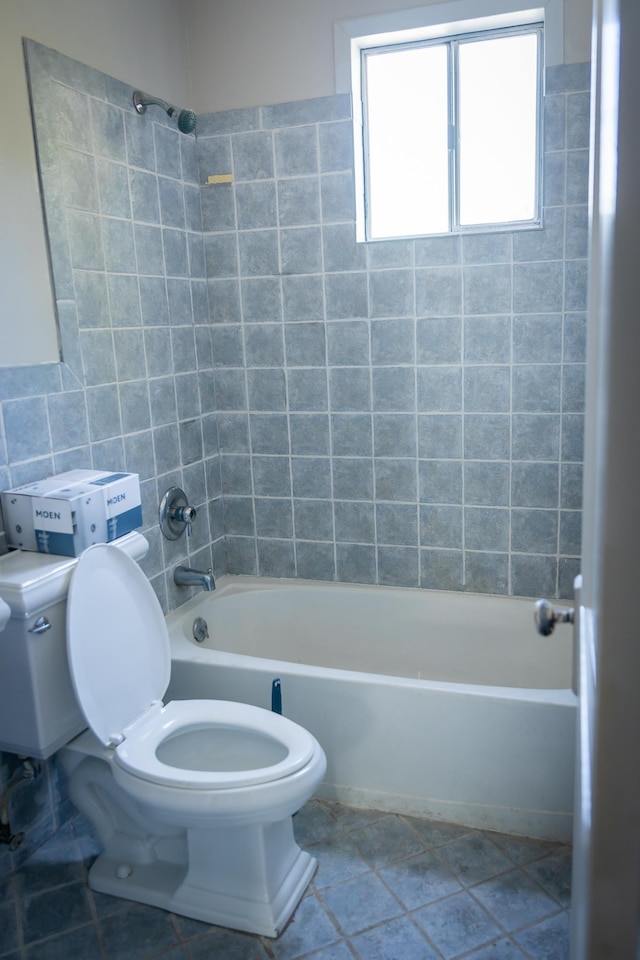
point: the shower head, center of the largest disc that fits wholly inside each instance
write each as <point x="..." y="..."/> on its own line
<point x="186" y="118"/>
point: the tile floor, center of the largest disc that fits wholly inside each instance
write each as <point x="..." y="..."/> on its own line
<point x="388" y="887"/>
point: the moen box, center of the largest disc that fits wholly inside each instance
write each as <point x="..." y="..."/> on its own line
<point x="67" y="513"/>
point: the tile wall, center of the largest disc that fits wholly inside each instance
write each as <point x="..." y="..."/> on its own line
<point x="136" y="390"/>
<point x="404" y="413"/>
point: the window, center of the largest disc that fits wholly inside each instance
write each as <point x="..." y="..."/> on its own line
<point x="447" y="117"/>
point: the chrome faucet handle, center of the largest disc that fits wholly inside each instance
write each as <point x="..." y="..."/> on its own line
<point x="175" y="514"/>
<point x="184" y="514"/>
<point x="546" y="617"/>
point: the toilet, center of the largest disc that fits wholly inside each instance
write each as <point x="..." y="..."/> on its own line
<point x="193" y="800"/>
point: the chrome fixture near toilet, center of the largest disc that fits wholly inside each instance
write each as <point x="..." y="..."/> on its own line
<point x="192" y="800"/>
<point x="188" y="577"/>
<point x="546" y="617"/>
<point x="175" y="514"/>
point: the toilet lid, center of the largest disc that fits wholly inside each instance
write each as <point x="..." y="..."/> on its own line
<point x="117" y="641"/>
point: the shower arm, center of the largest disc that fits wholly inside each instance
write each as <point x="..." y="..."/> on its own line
<point x="141" y="101"/>
<point x="186" y="118"/>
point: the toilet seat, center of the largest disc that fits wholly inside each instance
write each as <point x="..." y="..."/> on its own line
<point x="257" y="745"/>
<point x="120" y="663"/>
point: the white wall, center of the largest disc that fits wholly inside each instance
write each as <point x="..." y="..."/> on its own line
<point x="142" y="42"/>
<point x="250" y="52"/>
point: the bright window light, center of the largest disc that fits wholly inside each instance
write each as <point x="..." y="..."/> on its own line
<point x="498" y="92"/>
<point x="451" y="134"/>
<point x="408" y="141"/>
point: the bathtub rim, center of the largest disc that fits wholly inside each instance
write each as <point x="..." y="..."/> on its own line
<point x="185" y="648"/>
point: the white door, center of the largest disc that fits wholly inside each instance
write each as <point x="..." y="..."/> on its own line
<point x="606" y="893"/>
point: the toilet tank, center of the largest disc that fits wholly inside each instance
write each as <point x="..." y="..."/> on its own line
<point x="38" y="708"/>
<point x="39" y="712"/>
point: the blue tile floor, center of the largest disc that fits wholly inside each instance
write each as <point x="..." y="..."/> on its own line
<point x="388" y="887"/>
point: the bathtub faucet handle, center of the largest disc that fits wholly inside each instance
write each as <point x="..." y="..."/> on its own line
<point x="175" y="514"/>
<point x="546" y="617"/>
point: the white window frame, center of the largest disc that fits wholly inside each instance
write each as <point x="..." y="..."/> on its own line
<point x="431" y="23"/>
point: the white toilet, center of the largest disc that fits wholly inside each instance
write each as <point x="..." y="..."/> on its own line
<point x="192" y="801"/>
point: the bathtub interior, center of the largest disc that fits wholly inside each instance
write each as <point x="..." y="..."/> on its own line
<point x="422" y="635"/>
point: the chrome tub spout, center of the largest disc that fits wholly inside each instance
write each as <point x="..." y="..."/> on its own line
<point x="188" y="577"/>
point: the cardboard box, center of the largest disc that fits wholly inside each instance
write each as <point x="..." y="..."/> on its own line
<point x="67" y="513"/>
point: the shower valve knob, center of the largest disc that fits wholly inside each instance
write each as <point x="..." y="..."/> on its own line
<point x="546" y="617"/>
<point x="176" y="514"/>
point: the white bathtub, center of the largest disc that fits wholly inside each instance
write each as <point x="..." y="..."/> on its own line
<point x="426" y="703"/>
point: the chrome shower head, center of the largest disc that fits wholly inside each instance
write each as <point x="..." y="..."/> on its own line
<point x="186" y="118"/>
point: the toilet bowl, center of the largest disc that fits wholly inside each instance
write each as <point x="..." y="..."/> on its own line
<point x="192" y="800"/>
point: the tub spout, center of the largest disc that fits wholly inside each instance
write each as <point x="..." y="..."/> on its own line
<point x="188" y="577"/>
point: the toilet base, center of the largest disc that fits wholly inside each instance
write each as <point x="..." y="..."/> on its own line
<point x="249" y="878"/>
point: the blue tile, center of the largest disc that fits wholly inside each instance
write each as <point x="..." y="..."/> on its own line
<point x="54" y="911"/>
<point x="341" y="252"/>
<point x="307" y="389"/>
<point x="487" y="389"/>
<point x="420" y="880"/>
<point x="276" y="558"/>
<point x="457" y="924"/>
<point x="361" y="903"/>
<point x="487" y="340"/>
<point x="397" y="523"/>
<point x="258" y="253"/>
<point x="548" y="940"/>
<point x="255" y="203"/>
<point x="301" y="250"/>
<point x="355" y="563"/>
<point x="538" y="286"/>
<point x="439" y="340"/>
<point x="303" y="298"/>
<point x="296" y="151"/>
<point x="514" y="900"/>
<point x="441" y="526"/>
<point x="351" y="435"/>
<point x="346" y="295"/>
<point x="313" y="519"/>
<point x="309" y="434"/>
<point x="487" y="436"/>
<point x="337" y="197"/>
<point x="298" y="201"/>
<point x="136" y="931"/>
<point x="486" y="484"/>
<point x="316" y="110"/>
<point x="315" y="561"/>
<point x="336" y="146"/>
<point x="26" y="428"/>
<point x="252" y="155"/>
<point x="439" y="292"/>
<point x="487" y="289"/>
<point x="398" y="566"/>
<point x="391" y="293"/>
<point x="386" y="841"/>
<point x="394" y="435"/>
<point x="311" y="929"/>
<point x="396" y="940"/>
<point x="486" y="528"/>
<point x="393" y="341"/>
<point x="352" y="479"/>
<point x="553" y="872"/>
<point x="440" y="436"/>
<point x="394" y="389"/>
<point x="533" y="576"/>
<point x="261" y="300"/>
<point x="441" y="569"/>
<point x="486" y="572"/>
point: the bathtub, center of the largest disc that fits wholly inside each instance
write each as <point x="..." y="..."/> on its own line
<point x="427" y="703"/>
